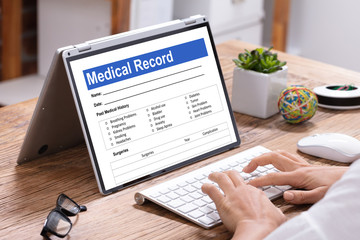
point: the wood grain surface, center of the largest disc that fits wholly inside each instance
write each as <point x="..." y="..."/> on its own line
<point x="28" y="192"/>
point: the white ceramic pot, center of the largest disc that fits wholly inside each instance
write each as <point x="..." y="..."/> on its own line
<point x="256" y="94"/>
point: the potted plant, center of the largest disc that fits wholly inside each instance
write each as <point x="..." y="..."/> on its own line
<point x="259" y="77"/>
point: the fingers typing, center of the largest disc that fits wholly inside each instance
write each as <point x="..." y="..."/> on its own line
<point x="235" y="177"/>
<point x="279" y="178"/>
<point x="222" y="180"/>
<point x="213" y="192"/>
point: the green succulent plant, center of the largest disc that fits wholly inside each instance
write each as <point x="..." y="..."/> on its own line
<point x="259" y="60"/>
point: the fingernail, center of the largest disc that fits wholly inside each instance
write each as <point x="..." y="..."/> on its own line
<point x="289" y="196"/>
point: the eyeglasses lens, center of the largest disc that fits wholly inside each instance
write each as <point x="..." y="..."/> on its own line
<point x="57" y="223"/>
<point x="68" y="204"/>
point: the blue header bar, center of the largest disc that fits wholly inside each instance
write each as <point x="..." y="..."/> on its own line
<point x="145" y="63"/>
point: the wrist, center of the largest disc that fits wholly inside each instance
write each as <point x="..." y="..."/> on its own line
<point x="253" y="231"/>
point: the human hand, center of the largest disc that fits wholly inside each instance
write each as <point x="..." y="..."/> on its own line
<point x="244" y="209"/>
<point x="296" y="172"/>
<point x="282" y="160"/>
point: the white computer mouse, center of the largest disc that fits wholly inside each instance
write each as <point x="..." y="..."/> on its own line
<point x="334" y="146"/>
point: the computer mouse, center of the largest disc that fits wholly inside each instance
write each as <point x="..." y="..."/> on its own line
<point x="334" y="146"/>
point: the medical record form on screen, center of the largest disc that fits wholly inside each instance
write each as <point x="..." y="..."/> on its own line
<point x="153" y="105"/>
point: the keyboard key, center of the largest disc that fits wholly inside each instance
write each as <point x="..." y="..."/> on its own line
<point x="212" y="206"/>
<point x="187" y="198"/>
<point x="206" y="220"/>
<point x="269" y="166"/>
<point x="238" y="168"/>
<point x="176" y="203"/>
<point x="245" y="175"/>
<point x="233" y="164"/>
<point x="216" y="169"/>
<point x="241" y="160"/>
<point x="172" y="195"/>
<point x="206" y="173"/>
<point x="187" y="208"/>
<point x="214" y="215"/>
<point x="249" y="179"/>
<point x="257" y="171"/>
<point x="224" y="168"/>
<point x="196" y="214"/>
<point x="261" y="169"/>
<point x="206" y="180"/>
<point x="174" y="187"/>
<point x="199" y="203"/>
<point x="191" y="180"/>
<point x="265" y="187"/>
<point x="190" y="189"/>
<point x="272" y="170"/>
<point x="164" y="191"/>
<point x="196" y="195"/>
<point x="270" y="192"/>
<point x="283" y="188"/>
<point x="248" y="159"/>
<point x="163" y="199"/>
<point x="181" y="192"/>
<point x="206" y="209"/>
<point x="201" y="193"/>
<point x="155" y="194"/>
<point x="200" y="177"/>
<point x="207" y="199"/>
<point x="244" y="164"/>
<point x="182" y="184"/>
<point x="197" y="185"/>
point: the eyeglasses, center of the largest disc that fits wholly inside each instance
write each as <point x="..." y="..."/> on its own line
<point x="57" y="222"/>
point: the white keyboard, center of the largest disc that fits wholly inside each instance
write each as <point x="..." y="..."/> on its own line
<point x="183" y="194"/>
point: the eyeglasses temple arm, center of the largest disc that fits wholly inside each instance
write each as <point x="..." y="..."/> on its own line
<point x="83" y="208"/>
<point x="43" y="233"/>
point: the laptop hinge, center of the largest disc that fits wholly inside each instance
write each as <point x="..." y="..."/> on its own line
<point x="83" y="47"/>
<point x="189" y="21"/>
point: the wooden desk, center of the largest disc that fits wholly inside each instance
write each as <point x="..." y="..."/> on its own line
<point x="28" y="192"/>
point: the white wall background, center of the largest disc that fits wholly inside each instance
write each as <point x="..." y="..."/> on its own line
<point x="326" y="30"/>
<point x="68" y="22"/>
<point x="229" y="19"/>
<point x="145" y="13"/>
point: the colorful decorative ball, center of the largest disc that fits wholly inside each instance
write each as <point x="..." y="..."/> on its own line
<point x="297" y="104"/>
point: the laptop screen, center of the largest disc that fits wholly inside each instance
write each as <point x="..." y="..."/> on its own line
<point x="152" y="105"/>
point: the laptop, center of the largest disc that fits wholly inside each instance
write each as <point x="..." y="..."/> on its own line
<point x="146" y="102"/>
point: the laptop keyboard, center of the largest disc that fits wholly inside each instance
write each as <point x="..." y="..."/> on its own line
<point x="184" y="197"/>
